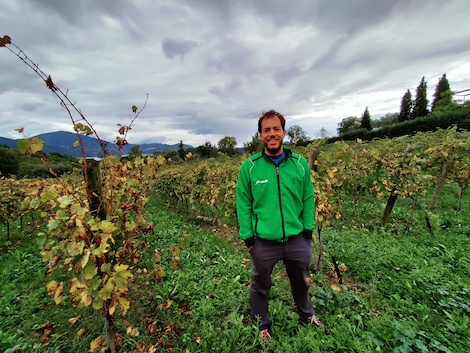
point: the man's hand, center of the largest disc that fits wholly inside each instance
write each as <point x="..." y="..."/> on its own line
<point x="249" y="243"/>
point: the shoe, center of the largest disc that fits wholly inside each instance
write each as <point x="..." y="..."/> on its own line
<point x="265" y="336"/>
<point x="313" y="320"/>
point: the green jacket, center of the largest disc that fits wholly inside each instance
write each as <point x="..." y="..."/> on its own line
<point x="272" y="202"/>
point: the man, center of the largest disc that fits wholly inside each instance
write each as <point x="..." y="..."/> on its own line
<point x="275" y="209"/>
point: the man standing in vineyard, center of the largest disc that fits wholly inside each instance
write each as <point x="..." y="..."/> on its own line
<point x="275" y="209"/>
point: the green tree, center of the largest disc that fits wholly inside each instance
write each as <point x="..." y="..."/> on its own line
<point x="387" y="119"/>
<point x="348" y="124"/>
<point x="206" y="150"/>
<point x="420" y="106"/>
<point x="255" y="145"/>
<point x="136" y="151"/>
<point x="406" y="107"/>
<point x="9" y="161"/>
<point x="446" y="102"/>
<point x="227" y="145"/>
<point x="181" y="151"/>
<point x="443" y="96"/>
<point x="366" y="122"/>
<point x="296" y="134"/>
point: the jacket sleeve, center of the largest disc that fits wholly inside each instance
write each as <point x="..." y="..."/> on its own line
<point x="244" y="202"/>
<point x="308" y="212"/>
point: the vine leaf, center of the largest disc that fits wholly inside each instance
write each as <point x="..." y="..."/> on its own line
<point x="4" y="41"/>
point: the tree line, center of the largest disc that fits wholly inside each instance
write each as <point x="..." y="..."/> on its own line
<point x="409" y="109"/>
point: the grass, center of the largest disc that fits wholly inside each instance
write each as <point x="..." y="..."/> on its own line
<point x="405" y="290"/>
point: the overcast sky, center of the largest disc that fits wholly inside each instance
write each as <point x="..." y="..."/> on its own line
<point x="211" y="67"/>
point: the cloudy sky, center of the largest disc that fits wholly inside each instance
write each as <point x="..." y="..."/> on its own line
<point x="211" y="67"/>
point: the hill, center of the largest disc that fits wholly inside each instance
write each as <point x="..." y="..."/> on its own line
<point x="62" y="142"/>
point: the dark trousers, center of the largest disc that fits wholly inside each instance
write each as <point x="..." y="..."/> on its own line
<point x="296" y="254"/>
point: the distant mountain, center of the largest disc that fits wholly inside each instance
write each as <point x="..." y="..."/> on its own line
<point x="62" y="142"/>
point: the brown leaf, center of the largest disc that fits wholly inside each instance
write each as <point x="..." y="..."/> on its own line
<point x="336" y="288"/>
<point x="82" y="332"/>
<point x="49" y="83"/>
<point x="73" y="320"/>
<point x="5" y="40"/>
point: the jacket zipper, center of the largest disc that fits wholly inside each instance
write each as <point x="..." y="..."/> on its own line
<point x="280" y="203"/>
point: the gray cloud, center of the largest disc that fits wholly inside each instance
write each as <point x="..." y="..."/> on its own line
<point x="177" y="47"/>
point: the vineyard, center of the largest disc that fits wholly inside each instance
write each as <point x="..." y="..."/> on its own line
<point x="153" y="263"/>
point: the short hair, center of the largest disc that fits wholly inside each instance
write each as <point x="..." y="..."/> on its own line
<point x="269" y="114"/>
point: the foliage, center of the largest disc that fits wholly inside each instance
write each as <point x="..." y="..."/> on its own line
<point x="459" y="117"/>
<point x="445" y="102"/>
<point x="442" y="94"/>
<point x="227" y="145"/>
<point x="387" y="119"/>
<point x="366" y="121"/>
<point x="181" y="151"/>
<point x="94" y="228"/>
<point x="406" y="107"/>
<point x="253" y="146"/>
<point x="206" y="150"/>
<point x="135" y="152"/>
<point x="9" y="163"/>
<point x="296" y="134"/>
<point x="420" y="105"/>
<point x="403" y="290"/>
<point x="349" y="124"/>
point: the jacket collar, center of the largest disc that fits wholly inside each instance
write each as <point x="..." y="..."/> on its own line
<point x="285" y="149"/>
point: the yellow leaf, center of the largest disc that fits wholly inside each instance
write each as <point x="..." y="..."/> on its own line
<point x="58" y="293"/>
<point x="49" y="195"/>
<point x="330" y="173"/>
<point x="80" y="227"/>
<point x="124" y="303"/>
<point x="86" y="299"/>
<point x="90" y="270"/>
<point x="76" y="143"/>
<point x="51" y="287"/>
<point x="65" y="201"/>
<point x="107" y="227"/>
<point x="112" y="307"/>
<point x="107" y="290"/>
<point x="97" y="344"/>
<point x="130" y="226"/>
<point x="37" y="144"/>
<point x="85" y="259"/>
<point x="121" y="275"/>
<point x="132" y="331"/>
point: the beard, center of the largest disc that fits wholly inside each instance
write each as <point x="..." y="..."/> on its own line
<point x="273" y="151"/>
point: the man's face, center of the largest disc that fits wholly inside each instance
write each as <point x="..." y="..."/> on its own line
<point x="272" y="135"/>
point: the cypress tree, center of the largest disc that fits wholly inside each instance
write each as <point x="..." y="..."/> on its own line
<point x="406" y="107"/>
<point x="366" y="121"/>
<point x="181" y="151"/>
<point x="420" y="106"/>
<point x="441" y="99"/>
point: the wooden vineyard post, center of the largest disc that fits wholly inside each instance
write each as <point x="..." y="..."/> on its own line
<point x="393" y="195"/>
<point x="97" y="206"/>
<point x="442" y="178"/>
<point x="314" y="152"/>
<point x="95" y="188"/>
